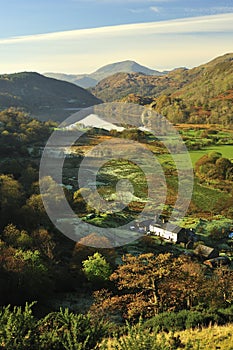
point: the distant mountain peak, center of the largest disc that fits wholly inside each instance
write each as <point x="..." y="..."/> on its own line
<point x="178" y="82"/>
<point x="126" y="66"/>
<point x="91" y="80"/>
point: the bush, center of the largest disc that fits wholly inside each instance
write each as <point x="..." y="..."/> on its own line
<point x="168" y="321"/>
<point x="17" y="328"/>
<point x="137" y="338"/>
<point x="96" y="268"/>
<point x="65" y="330"/>
<point x="226" y="314"/>
<point x="177" y="321"/>
<point x="194" y="319"/>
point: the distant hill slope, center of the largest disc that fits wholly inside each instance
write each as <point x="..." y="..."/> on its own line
<point x="91" y="80"/>
<point x="201" y="94"/>
<point x="207" y="96"/>
<point x="43" y="97"/>
<point x="210" y="79"/>
<point x="120" y="85"/>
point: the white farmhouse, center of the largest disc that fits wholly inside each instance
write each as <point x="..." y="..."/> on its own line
<point x="171" y="232"/>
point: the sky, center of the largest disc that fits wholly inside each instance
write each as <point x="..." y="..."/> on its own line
<point x="79" y="36"/>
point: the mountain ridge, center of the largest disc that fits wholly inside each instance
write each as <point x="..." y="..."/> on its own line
<point x="203" y="94"/>
<point x="92" y="79"/>
<point x="44" y="98"/>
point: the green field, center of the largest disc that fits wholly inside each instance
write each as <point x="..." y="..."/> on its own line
<point x="226" y="150"/>
<point x="206" y="198"/>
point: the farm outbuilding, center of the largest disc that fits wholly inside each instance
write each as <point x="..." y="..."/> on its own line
<point x="205" y="252"/>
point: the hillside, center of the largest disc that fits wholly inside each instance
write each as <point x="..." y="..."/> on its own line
<point x="206" y="97"/>
<point x="91" y="80"/>
<point x="211" y="338"/>
<point x="211" y="81"/>
<point x="120" y="85"/>
<point x="202" y="94"/>
<point x="43" y="97"/>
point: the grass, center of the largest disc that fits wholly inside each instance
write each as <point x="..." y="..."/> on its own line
<point x="226" y="150"/>
<point x="214" y="337"/>
<point x="210" y="338"/>
<point x="206" y="198"/>
<point x="143" y="174"/>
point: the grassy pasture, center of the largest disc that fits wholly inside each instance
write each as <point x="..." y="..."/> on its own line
<point x="206" y="198"/>
<point x="226" y="150"/>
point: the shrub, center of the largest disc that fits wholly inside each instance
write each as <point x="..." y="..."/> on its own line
<point x="168" y="321"/>
<point x="17" y="328"/>
<point x="177" y="321"/>
<point x="137" y="338"/>
<point x="65" y="330"/>
<point x="226" y="314"/>
<point x="96" y="268"/>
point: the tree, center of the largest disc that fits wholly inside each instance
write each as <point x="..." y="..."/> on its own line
<point x="34" y="213"/>
<point x="28" y="176"/>
<point x="223" y="164"/>
<point x="187" y="287"/>
<point x="25" y="275"/>
<point x="10" y="199"/>
<point x="143" y="276"/>
<point x="79" y="203"/>
<point x="149" y="284"/>
<point x="214" y="166"/>
<point x="220" y="291"/>
<point x="17" y="238"/>
<point x="96" y="268"/>
<point x="44" y="242"/>
<point x="95" y="240"/>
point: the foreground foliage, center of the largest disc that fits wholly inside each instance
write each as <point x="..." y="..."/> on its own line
<point x="63" y="330"/>
<point x="138" y="339"/>
<point x="212" y="337"/>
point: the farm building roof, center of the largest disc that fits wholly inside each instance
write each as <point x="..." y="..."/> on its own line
<point x="204" y="250"/>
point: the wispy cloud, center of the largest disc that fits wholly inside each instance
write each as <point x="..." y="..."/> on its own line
<point x="161" y="45"/>
<point x="221" y="23"/>
<point x="223" y="9"/>
<point x="155" y="9"/>
<point x="208" y="10"/>
<point x="141" y="10"/>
